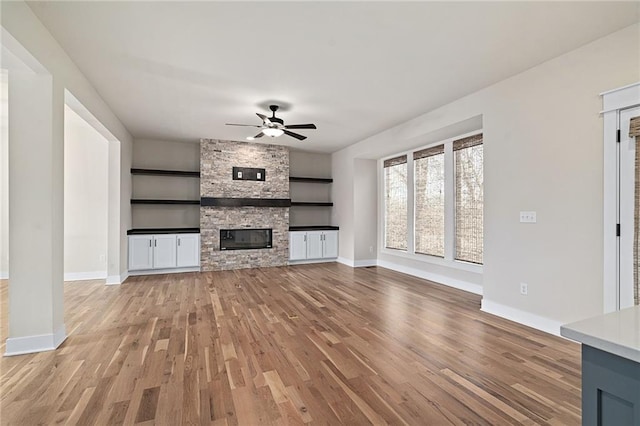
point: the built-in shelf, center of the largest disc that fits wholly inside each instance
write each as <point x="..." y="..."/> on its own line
<point x="145" y="231"/>
<point x="311" y="204"/>
<point x="314" y="228"/>
<point x="158" y="172"/>
<point x="309" y="179"/>
<point x="145" y="201"/>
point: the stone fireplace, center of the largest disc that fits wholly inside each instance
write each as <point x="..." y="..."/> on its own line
<point x="235" y="204"/>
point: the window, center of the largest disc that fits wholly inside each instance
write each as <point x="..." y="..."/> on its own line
<point x="395" y="202"/>
<point x="469" y="198"/>
<point x="434" y="202"/>
<point x="429" y="200"/>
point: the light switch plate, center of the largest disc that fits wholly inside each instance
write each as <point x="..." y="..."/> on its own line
<point x="527" y="217"/>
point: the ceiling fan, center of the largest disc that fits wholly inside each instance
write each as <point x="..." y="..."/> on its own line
<point x="274" y="126"/>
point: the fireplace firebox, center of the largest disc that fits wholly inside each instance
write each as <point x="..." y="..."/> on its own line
<point x="245" y="239"/>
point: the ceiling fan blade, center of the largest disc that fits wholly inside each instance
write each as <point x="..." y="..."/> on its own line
<point x="264" y="118"/>
<point x="301" y="126"/>
<point x="295" y="135"/>
<point x="259" y="135"/>
<point x="242" y="125"/>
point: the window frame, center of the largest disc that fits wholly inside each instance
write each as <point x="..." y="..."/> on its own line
<point x="384" y="205"/>
<point x="449" y="208"/>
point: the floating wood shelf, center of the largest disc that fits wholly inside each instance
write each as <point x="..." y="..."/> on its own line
<point x="311" y="204"/>
<point x="158" y="172"/>
<point x="145" y="201"/>
<point x="309" y="179"/>
<point x="145" y="231"/>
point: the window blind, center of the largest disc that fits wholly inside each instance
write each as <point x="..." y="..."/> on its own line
<point x="429" y="200"/>
<point x="395" y="183"/>
<point x="634" y="127"/>
<point x="469" y="198"/>
<point x="396" y="161"/>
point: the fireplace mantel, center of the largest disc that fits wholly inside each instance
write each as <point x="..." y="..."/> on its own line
<point x="245" y="202"/>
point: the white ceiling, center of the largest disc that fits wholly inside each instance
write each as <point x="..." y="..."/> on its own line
<point x="180" y="71"/>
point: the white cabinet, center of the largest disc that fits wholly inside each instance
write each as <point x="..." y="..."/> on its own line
<point x="330" y="244"/>
<point x="188" y="250"/>
<point x="312" y="245"/>
<point x="297" y="245"/>
<point x="140" y="252"/>
<point x="163" y="251"/>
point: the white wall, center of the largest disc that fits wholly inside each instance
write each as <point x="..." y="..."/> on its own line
<point x="19" y="21"/>
<point x="342" y="171"/>
<point x="543" y="152"/>
<point x="4" y="177"/>
<point x="86" y="162"/>
<point x="365" y="201"/>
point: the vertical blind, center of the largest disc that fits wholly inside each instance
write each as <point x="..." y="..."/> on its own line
<point x="429" y="200"/>
<point x="395" y="203"/>
<point x="634" y="131"/>
<point x="469" y="198"/>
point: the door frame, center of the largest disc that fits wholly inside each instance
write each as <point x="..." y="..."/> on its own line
<point x="613" y="101"/>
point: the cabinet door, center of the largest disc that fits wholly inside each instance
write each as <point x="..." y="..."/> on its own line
<point x="140" y="252"/>
<point x="188" y="250"/>
<point x="314" y="245"/>
<point x="330" y="244"/>
<point x="164" y="251"/>
<point x="297" y="245"/>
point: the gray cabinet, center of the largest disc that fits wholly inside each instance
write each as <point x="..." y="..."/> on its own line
<point x="610" y="389"/>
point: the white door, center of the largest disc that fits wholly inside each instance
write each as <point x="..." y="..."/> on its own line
<point x="330" y="246"/>
<point x="164" y="251"/>
<point x="297" y="245"/>
<point x="188" y="250"/>
<point x="140" y="252"/>
<point x="314" y="245"/>
<point x="626" y="199"/>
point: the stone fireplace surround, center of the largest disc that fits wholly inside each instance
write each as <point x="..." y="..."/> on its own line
<point x="217" y="158"/>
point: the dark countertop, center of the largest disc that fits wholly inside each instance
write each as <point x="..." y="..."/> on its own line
<point x="314" y="228"/>
<point x="145" y="231"/>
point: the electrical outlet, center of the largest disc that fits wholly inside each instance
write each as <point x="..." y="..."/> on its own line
<point x="370" y="249"/>
<point x="103" y="258"/>
<point x="527" y="217"/>
<point x="524" y="289"/>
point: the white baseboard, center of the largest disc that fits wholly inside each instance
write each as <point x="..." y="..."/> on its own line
<point x="308" y="261"/>
<point x="364" y="263"/>
<point x="83" y="276"/>
<point x="345" y="261"/>
<point x="522" y="317"/>
<point x="4" y="275"/>
<point x="33" y="344"/>
<point x="117" y="279"/>
<point x="440" y="279"/>
<point x="161" y="271"/>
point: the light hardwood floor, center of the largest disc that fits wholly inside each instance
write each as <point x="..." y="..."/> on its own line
<point x="318" y="344"/>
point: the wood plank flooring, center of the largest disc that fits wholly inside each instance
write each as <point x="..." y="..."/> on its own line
<point x="308" y="344"/>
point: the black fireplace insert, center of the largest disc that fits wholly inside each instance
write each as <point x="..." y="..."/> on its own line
<point x="245" y="239"/>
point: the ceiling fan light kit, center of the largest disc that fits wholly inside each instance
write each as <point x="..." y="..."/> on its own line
<point x="275" y="127"/>
<point x="273" y="132"/>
